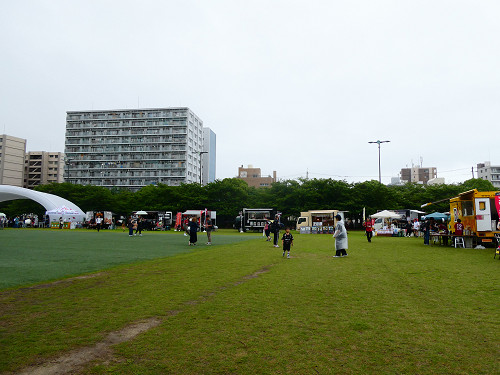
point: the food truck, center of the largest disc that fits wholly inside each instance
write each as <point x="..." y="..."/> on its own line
<point x="318" y="221"/>
<point x="254" y="218"/>
<point x="479" y="212"/>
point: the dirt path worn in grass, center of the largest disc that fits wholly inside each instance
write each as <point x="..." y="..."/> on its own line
<point x="72" y="362"/>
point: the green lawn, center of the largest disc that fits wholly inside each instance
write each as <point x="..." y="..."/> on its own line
<point x="391" y="307"/>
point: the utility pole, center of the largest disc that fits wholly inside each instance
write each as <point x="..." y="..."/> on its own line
<point x="379" y="170"/>
<point x="472" y="172"/>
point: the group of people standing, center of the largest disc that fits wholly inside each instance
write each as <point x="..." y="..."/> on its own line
<point x="135" y="224"/>
<point x="423" y="228"/>
<point x="192" y="229"/>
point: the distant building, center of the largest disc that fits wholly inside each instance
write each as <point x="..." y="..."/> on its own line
<point x="209" y="159"/>
<point x="252" y="176"/>
<point x="42" y="167"/>
<point x="395" y="181"/>
<point x="418" y="174"/>
<point x="436" y="181"/>
<point x="133" y="148"/>
<point x="489" y="172"/>
<point x="12" y="151"/>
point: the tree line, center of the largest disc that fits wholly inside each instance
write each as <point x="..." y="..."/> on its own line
<point x="230" y="195"/>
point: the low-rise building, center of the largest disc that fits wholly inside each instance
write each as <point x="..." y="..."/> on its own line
<point x="418" y="174"/>
<point x="253" y="177"/>
<point x="42" y="167"/>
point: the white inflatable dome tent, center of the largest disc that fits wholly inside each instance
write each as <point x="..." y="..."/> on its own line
<point x="56" y="207"/>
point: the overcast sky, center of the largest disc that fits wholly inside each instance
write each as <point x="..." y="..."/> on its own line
<point x="291" y="86"/>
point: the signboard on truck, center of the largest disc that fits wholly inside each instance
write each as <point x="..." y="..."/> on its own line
<point x="254" y="219"/>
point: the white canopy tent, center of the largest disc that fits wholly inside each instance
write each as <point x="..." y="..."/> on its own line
<point x="386" y="215"/>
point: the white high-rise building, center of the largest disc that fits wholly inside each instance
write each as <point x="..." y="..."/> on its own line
<point x="209" y="159"/>
<point x="133" y="148"/>
<point x="489" y="172"/>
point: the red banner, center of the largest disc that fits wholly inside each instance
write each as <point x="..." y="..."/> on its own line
<point x="178" y="220"/>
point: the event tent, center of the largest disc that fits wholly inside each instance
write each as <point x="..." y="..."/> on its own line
<point x="386" y="215"/>
<point x="51" y="202"/>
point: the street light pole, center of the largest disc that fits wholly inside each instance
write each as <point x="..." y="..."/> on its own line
<point x="379" y="170"/>
<point x="201" y="153"/>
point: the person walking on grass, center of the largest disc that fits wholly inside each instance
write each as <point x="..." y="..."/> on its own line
<point x="287" y="241"/>
<point x="209" y="227"/>
<point x="340" y="236"/>
<point x="193" y="231"/>
<point x="368" y="229"/>
<point x="98" y="223"/>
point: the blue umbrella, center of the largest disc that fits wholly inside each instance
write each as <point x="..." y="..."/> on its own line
<point x="437" y="216"/>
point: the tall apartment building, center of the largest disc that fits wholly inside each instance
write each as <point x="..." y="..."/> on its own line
<point x="209" y="159"/>
<point x="42" y="167"/>
<point x="12" y="151"/>
<point x="133" y="148"/>
<point x="418" y="174"/>
<point x="489" y="172"/>
<point x="252" y="176"/>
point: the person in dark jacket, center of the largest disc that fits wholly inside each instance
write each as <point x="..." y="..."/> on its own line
<point x="426" y="229"/>
<point x="193" y="231"/>
<point x="140" y="226"/>
<point x="275" y="228"/>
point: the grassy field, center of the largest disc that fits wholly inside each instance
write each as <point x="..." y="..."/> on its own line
<point x="391" y="307"/>
<point x="29" y="255"/>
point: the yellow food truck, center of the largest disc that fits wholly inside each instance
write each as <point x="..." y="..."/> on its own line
<point x="479" y="212"/>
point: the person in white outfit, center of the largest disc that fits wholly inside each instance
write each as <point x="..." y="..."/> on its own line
<point x="340" y="236"/>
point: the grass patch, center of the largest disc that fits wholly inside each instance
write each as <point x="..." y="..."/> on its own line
<point x="393" y="306"/>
